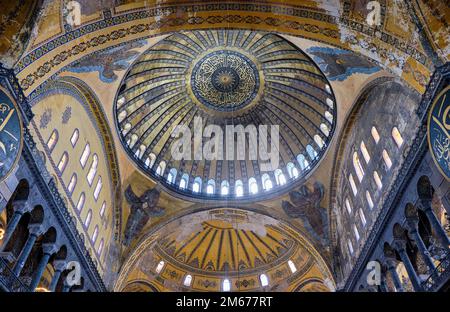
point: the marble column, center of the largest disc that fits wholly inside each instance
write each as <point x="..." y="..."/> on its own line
<point x="413" y="229"/>
<point x="60" y="266"/>
<point x="48" y="251"/>
<point x="20" y="207"/>
<point x="383" y="286"/>
<point x="400" y="246"/>
<point x="390" y="264"/>
<point x="34" y="231"/>
<point x="425" y="206"/>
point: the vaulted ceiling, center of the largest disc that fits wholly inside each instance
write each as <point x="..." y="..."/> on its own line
<point x="153" y="65"/>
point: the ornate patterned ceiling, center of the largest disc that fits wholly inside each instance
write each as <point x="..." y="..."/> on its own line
<point x="225" y="243"/>
<point x="224" y="77"/>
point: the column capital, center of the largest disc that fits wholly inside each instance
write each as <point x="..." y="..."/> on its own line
<point x="412" y="224"/>
<point x="399" y="245"/>
<point x="424" y="204"/>
<point x="60" y="265"/>
<point x="49" y="248"/>
<point x="36" y="229"/>
<point x="21" y="206"/>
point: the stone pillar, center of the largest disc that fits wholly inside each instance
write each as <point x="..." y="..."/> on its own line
<point x="20" y="207"/>
<point x="383" y="286"/>
<point x="425" y="206"/>
<point x="48" y="250"/>
<point x="414" y="232"/>
<point x="400" y="246"/>
<point x="59" y="266"/>
<point x="35" y="230"/>
<point x="390" y="264"/>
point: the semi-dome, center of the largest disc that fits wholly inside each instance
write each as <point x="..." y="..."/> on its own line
<point x="225" y="78"/>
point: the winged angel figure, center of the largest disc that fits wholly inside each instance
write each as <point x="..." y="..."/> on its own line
<point x="142" y="208"/>
<point x="305" y="204"/>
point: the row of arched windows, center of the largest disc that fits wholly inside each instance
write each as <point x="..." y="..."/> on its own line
<point x="360" y="173"/>
<point x="92" y="172"/>
<point x="226" y="284"/>
<point x="266" y="180"/>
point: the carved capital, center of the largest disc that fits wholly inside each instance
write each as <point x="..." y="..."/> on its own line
<point x="60" y="265"/>
<point x="36" y="229"/>
<point x="21" y="206"/>
<point x="49" y="248"/>
<point x="399" y="245"/>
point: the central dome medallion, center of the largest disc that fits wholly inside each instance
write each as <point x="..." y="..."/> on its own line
<point x="211" y="81"/>
<point x="225" y="80"/>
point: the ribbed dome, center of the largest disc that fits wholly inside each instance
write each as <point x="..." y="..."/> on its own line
<point x="225" y="77"/>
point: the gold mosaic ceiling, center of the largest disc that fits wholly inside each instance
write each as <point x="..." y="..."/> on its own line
<point x="225" y="243"/>
<point x="224" y="77"/>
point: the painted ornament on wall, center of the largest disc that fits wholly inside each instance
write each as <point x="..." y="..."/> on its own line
<point x="11" y="134"/>
<point x="439" y="132"/>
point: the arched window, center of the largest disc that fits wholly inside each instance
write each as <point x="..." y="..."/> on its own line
<point x="292" y="170"/>
<point x="348" y="206"/>
<point x="387" y="159"/>
<point x="85" y="155"/>
<point x="122" y="115"/>
<point x="197" y="186"/>
<point x="100" y="247"/>
<point x="375" y="135"/>
<point x="350" y="246"/>
<point x="80" y="203"/>
<point x="266" y="182"/>
<point x="365" y="152"/>
<point x="187" y="280"/>
<point x="210" y="187"/>
<point x="224" y="188"/>
<point x="126" y="128"/>
<point x="264" y="280"/>
<point x="369" y="199"/>
<point x="95" y="234"/>
<point x="397" y="136"/>
<point x="150" y="160"/>
<point x="133" y="140"/>
<point x="319" y="141"/>
<point x="355" y="230"/>
<point x="93" y="169"/>
<point x="377" y="179"/>
<point x="72" y="183"/>
<point x="279" y="177"/>
<point x="330" y="103"/>
<point x="304" y="164"/>
<point x="358" y="167"/>
<point x="120" y="101"/>
<point x="52" y="140"/>
<point x="74" y="137"/>
<point x="87" y="222"/>
<point x="252" y="186"/>
<point x="184" y="181"/>
<point x="292" y="266"/>
<point x="103" y="209"/>
<point x="363" y="217"/>
<point x="141" y="150"/>
<point x="352" y="184"/>
<point x="171" y="176"/>
<point x="325" y="130"/>
<point x="226" y="285"/>
<point x="239" y="188"/>
<point x="63" y="162"/>
<point x="98" y="188"/>
<point x="160" y="266"/>
<point x="329" y="117"/>
<point x="161" y="168"/>
<point x="311" y="152"/>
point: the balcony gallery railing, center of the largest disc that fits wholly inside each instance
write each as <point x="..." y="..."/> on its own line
<point x="9" y="281"/>
<point x="439" y="276"/>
